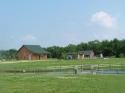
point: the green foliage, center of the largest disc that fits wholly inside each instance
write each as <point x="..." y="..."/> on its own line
<point x="107" y="48"/>
<point x="56" y="52"/>
<point x="8" y="54"/>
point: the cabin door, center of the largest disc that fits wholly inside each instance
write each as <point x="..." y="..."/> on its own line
<point x="30" y="56"/>
<point x="39" y="57"/>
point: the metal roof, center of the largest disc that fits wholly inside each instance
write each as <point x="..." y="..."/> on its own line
<point x="36" y="49"/>
<point x="86" y="52"/>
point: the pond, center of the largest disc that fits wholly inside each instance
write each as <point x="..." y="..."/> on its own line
<point x="77" y="69"/>
<point x="68" y="71"/>
<point x="102" y="72"/>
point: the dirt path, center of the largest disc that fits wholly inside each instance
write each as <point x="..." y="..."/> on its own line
<point x="24" y="61"/>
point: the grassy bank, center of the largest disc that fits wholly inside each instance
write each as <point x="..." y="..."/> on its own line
<point x="36" y="83"/>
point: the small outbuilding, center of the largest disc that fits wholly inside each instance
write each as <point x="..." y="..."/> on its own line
<point x="71" y="56"/>
<point x="86" y="54"/>
<point x="32" y="52"/>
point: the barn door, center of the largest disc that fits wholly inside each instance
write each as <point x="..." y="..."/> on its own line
<point x="30" y="56"/>
<point x="39" y="57"/>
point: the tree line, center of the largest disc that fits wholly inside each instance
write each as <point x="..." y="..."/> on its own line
<point x="8" y="54"/>
<point x="109" y="48"/>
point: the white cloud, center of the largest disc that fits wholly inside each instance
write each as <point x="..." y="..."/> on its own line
<point x="28" y="38"/>
<point x="104" y="19"/>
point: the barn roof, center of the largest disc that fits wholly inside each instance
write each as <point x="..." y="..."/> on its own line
<point x="86" y="52"/>
<point x="36" y="49"/>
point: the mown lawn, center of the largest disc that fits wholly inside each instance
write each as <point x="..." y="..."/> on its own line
<point x="36" y="83"/>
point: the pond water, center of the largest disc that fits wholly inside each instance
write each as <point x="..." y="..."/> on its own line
<point x="78" y="69"/>
<point x="102" y="72"/>
<point x="70" y="71"/>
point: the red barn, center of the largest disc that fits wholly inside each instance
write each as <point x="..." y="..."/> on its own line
<point x="31" y="52"/>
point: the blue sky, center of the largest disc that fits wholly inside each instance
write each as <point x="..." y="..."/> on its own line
<point x="59" y="22"/>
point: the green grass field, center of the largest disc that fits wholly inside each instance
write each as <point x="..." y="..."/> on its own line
<point x="51" y="83"/>
<point x="36" y="83"/>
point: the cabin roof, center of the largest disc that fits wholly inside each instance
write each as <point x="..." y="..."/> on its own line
<point x="36" y="49"/>
<point x="86" y="52"/>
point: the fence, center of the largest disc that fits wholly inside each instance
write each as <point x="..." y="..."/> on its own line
<point x="73" y="69"/>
